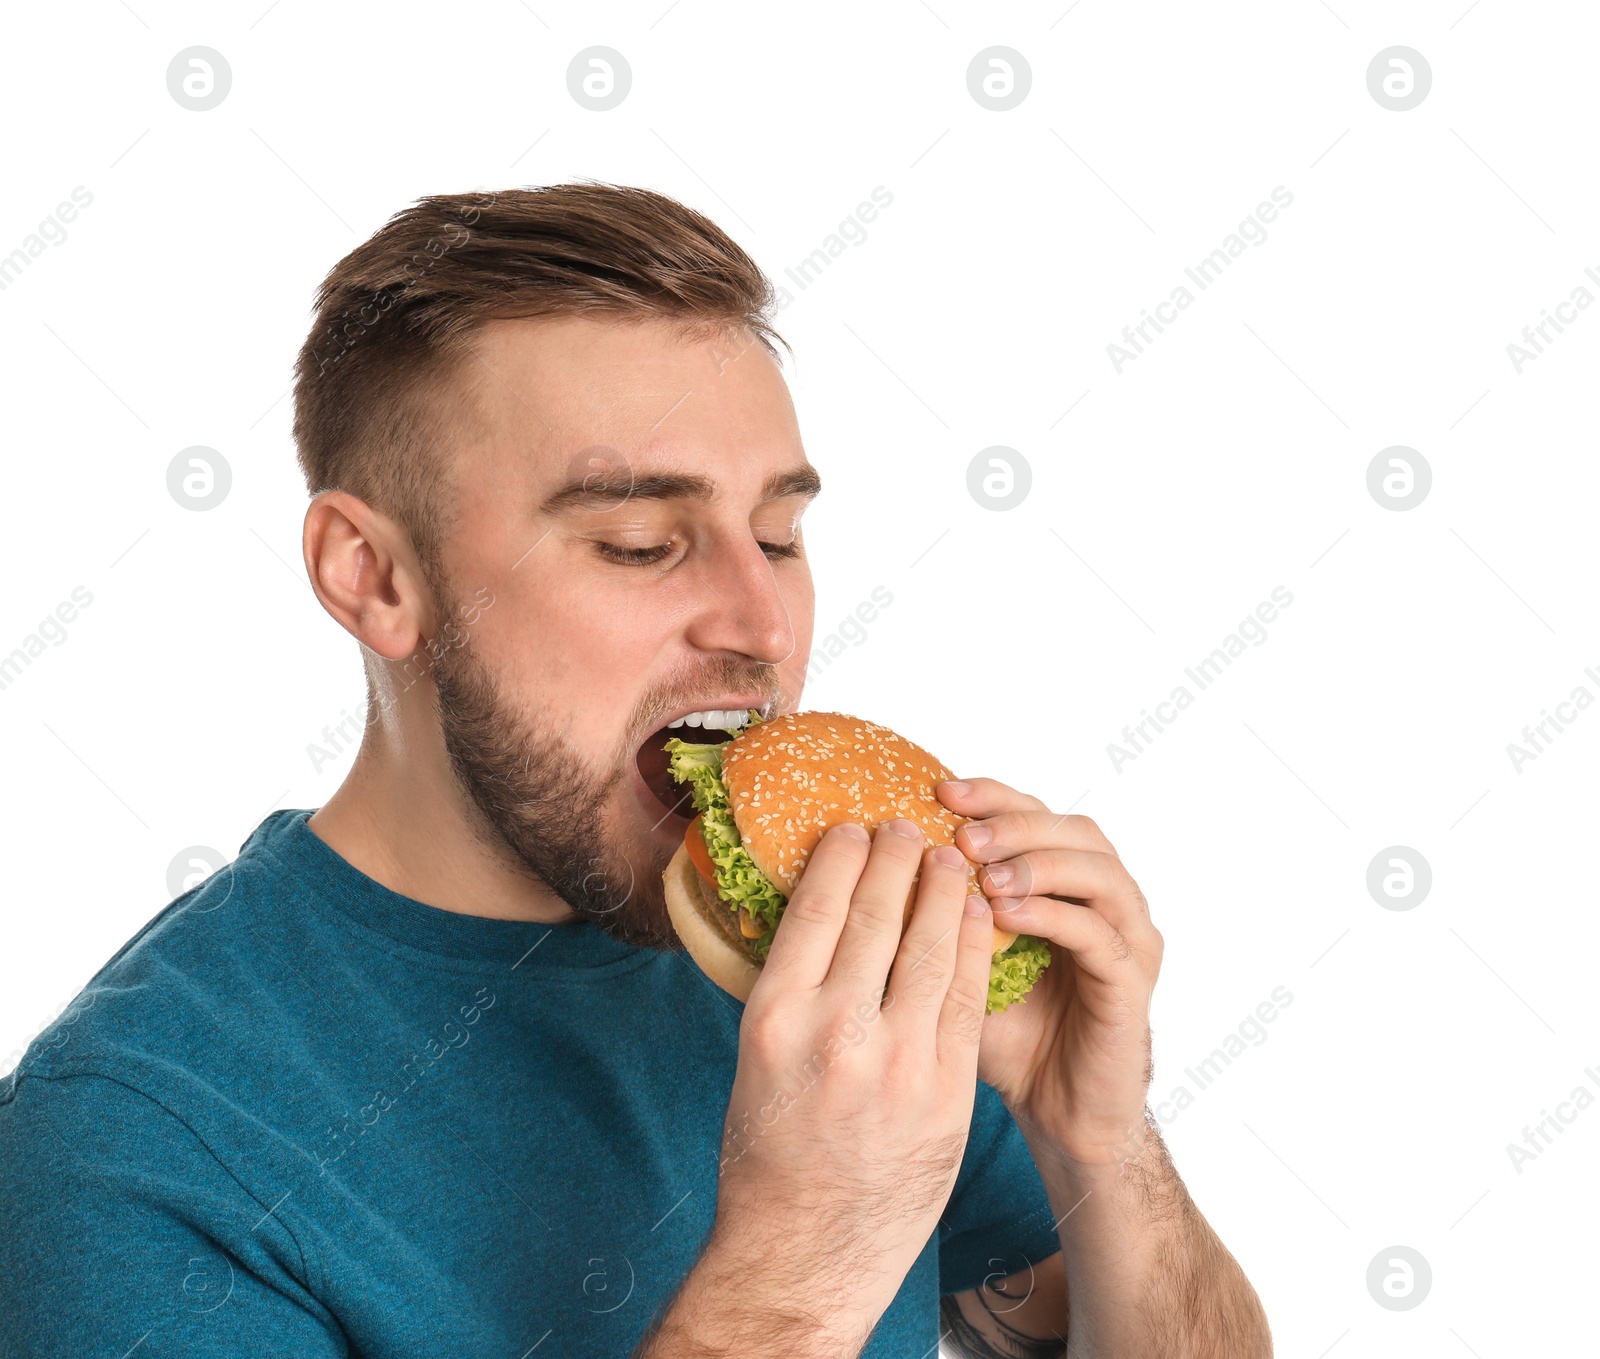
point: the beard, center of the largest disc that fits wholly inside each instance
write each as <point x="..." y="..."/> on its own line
<point x="552" y="807"/>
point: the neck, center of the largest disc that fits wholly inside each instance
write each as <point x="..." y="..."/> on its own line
<point x="402" y="818"/>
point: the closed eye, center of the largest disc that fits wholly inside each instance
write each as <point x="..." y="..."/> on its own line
<point x="650" y="556"/>
<point x="633" y="556"/>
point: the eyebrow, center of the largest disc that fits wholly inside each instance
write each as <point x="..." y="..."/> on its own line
<point x="590" y="494"/>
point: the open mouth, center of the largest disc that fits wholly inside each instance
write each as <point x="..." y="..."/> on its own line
<point x="654" y="767"/>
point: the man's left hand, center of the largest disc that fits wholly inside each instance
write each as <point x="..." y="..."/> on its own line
<point x="1073" y="1058"/>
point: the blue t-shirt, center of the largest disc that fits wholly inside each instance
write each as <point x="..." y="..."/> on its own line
<point x="300" y="1115"/>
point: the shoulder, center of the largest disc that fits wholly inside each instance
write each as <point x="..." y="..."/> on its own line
<point x="72" y="1146"/>
<point x="202" y="964"/>
<point x="93" y="1169"/>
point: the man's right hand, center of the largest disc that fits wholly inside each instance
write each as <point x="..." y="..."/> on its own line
<point x="851" y="1102"/>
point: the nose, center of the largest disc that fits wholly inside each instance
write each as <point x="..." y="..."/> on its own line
<point x="742" y="609"/>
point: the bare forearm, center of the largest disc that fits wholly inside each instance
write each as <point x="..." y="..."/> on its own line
<point x="728" y="1305"/>
<point x="1146" y="1274"/>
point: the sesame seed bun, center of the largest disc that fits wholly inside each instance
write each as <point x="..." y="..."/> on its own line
<point x="795" y="777"/>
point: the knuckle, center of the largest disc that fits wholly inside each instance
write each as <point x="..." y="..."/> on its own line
<point x="1021" y="827"/>
<point x="764" y="1033"/>
<point x="1089" y="829"/>
<point x="875" y="907"/>
<point x="963" y="1012"/>
<point x="1005" y="827"/>
<point x="924" y="983"/>
<point x="1121" y="951"/>
<point x="855" y="973"/>
<point x="810" y="908"/>
<point x="842" y="1021"/>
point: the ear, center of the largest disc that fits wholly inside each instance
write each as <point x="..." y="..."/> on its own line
<point x="367" y="575"/>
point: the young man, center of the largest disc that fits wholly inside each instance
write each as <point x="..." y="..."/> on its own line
<point x="426" y="1073"/>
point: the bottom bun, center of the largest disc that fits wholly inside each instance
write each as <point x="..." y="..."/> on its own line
<point x="708" y="928"/>
<point x="710" y="931"/>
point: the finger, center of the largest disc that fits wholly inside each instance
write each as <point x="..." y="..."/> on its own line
<point x="808" y="930"/>
<point x="967" y="998"/>
<point x="925" y="958"/>
<point x="871" y="932"/>
<point x="985" y="797"/>
<point x="1099" y="947"/>
<point x="1007" y="833"/>
<point x="1099" y="879"/>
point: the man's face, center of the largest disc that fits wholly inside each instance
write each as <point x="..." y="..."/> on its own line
<point x="630" y="501"/>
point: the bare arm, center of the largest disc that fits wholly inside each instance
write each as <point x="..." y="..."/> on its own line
<point x="726" y="1307"/>
<point x="1147" y="1274"/>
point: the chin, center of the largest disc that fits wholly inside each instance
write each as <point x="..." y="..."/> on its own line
<point x="640" y="917"/>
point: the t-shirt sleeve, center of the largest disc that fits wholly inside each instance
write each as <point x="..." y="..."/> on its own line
<point x="998" y="1220"/>
<point x="120" y="1231"/>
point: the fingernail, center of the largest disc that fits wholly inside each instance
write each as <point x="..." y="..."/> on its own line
<point x="959" y="789"/>
<point x="854" y="832"/>
<point x="1006" y="903"/>
<point x="999" y="877"/>
<point x="900" y="826"/>
<point x="976" y="906"/>
<point x="978" y="834"/>
<point x="950" y="856"/>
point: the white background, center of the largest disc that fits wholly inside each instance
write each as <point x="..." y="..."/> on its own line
<point x="1227" y="459"/>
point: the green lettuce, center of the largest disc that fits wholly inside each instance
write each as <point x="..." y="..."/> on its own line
<point x="1014" y="972"/>
<point x="739" y="881"/>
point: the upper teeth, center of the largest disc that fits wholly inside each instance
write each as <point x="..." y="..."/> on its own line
<point x="729" y="719"/>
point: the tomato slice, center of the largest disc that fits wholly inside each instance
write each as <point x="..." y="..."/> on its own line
<point x="695" y="842"/>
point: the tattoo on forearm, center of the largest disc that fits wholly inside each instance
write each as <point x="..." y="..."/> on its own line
<point x="992" y="1336"/>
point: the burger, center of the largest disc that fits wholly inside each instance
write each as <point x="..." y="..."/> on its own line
<point x="763" y="801"/>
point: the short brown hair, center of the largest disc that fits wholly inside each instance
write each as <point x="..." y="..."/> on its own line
<point x="395" y="318"/>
